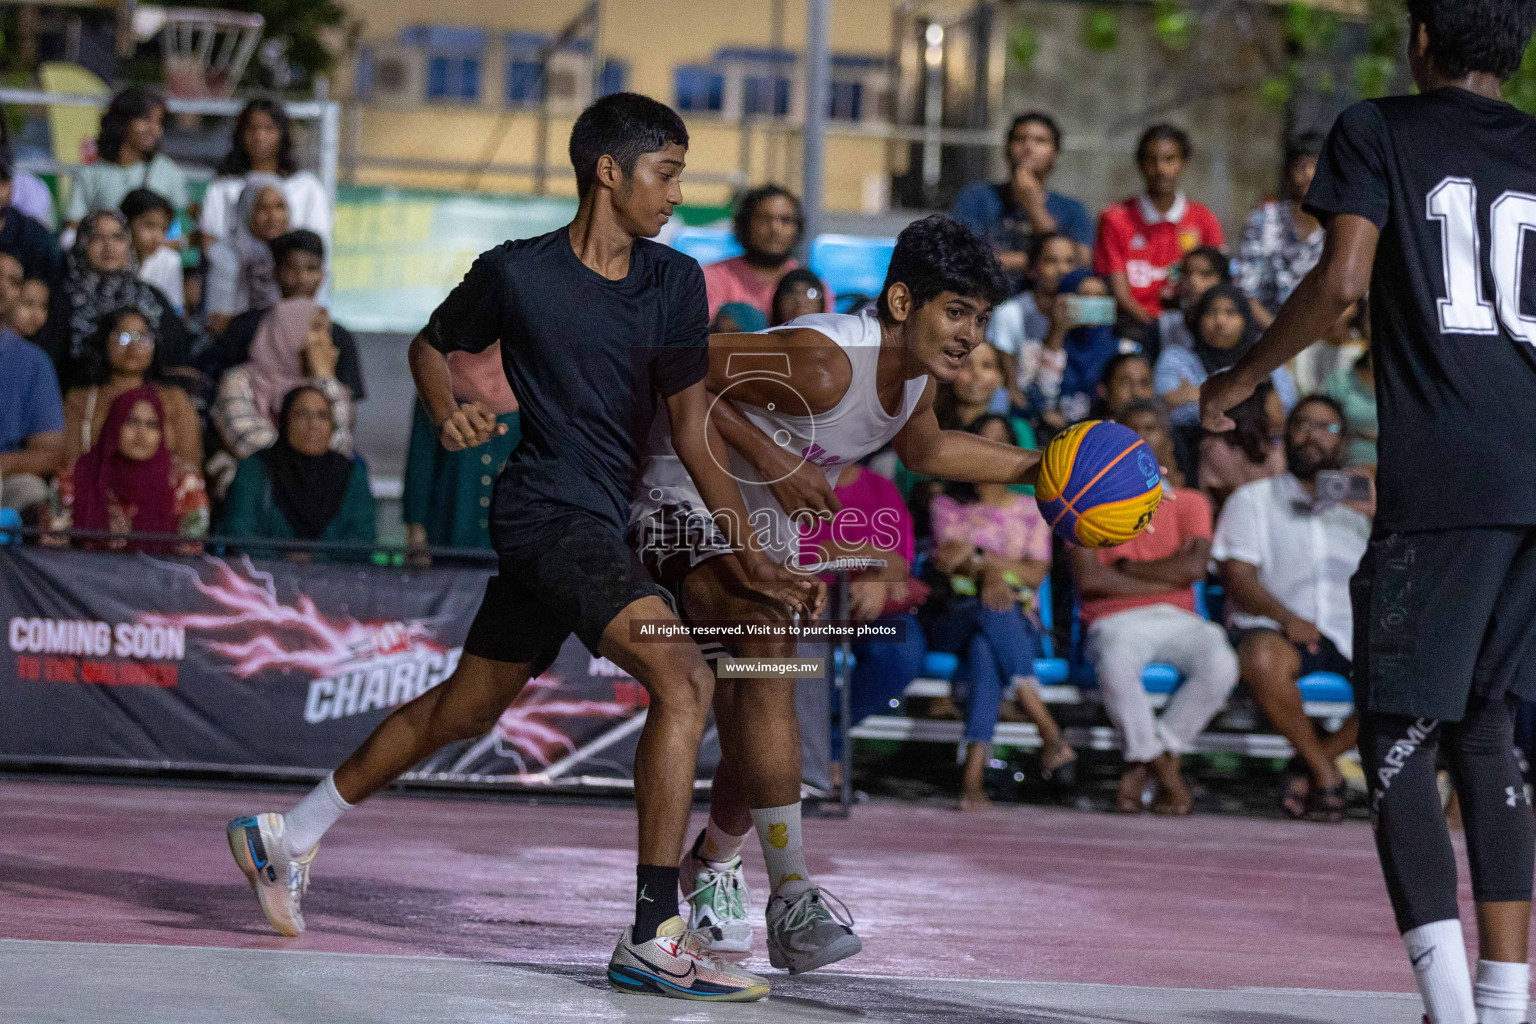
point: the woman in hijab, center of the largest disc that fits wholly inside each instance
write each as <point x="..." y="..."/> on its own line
<point x="129" y="482"/>
<point x="1223" y="328"/>
<point x="447" y="495"/>
<point x="240" y="274"/>
<point x="300" y="487"/>
<point x="100" y="279"/>
<point x="292" y="347"/>
<point x="1080" y="349"/>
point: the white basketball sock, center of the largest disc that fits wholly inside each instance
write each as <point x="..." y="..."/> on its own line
<point x="306" y="823"/>
<point x="720" y="846"/>
<point x="1438" y="954"/>
<point x="1503" y="992"/>
<point x="778" y="829"/>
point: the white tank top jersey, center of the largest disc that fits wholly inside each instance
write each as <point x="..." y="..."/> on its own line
<point x="857" y="426"/>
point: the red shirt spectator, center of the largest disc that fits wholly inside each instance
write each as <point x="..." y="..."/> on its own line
<point x="736" y="280"/>
<point x="1145" y="245"/>
<point x="1174" y="523"/>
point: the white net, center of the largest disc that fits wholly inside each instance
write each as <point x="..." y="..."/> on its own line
<point x="204" y="52"/>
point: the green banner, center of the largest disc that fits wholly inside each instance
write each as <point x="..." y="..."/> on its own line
<point x="397" y="252"/>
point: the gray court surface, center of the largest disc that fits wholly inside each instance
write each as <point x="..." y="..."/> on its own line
<point x="96" y="983"/>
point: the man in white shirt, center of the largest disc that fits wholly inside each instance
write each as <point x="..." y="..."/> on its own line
<point x="1286" y="557"/>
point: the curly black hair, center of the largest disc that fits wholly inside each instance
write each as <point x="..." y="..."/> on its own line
<point x="741" y="220"/>
<point x="126" y="107"/>
<point x="939" y="254"/>
<point x="1476" y="35"/>
<point x="1250" y="433"/>
<point x="623" y="125"/>
<point x="237" y="162"/>
<point x="95" y="367"/>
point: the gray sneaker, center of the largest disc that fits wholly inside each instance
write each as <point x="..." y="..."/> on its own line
<point x="808" y="928"/>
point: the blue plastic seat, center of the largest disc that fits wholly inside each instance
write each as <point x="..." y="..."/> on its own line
<point x="850" y="264"/>
<point x="707" y="245"/>
<point x="1326" y="688"/>
<point x="10" y="519"/>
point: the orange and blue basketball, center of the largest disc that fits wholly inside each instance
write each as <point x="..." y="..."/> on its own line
<point x="1099" y="484"/>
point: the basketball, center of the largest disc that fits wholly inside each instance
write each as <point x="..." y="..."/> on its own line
<point x="1099" y="484"/>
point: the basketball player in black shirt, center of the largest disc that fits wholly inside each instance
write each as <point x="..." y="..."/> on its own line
<point x="1430" y="203"/>
<point x="598" y="325"/>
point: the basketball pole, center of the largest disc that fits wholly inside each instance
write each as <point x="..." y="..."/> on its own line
<point x="818" y="16"/>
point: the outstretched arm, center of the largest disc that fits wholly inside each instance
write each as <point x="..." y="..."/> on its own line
<point x="957" y="455"/>
<point x="1340" y="279"/>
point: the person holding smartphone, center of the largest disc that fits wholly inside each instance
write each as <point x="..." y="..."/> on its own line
<point x="1081" y="341"/>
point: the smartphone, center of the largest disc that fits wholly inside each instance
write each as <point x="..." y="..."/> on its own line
<point x="1336" y="486"/>
<point x="1090" y="310"/>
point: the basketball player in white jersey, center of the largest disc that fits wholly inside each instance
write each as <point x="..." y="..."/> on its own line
<point x="796" y="404"/>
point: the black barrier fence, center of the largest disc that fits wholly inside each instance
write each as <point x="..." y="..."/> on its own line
<point x="277" y="668"/>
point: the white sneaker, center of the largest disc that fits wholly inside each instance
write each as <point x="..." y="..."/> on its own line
<point x="808" y="928"/>
<point x="676" y="963"/>
<point x="279" y="881"/>
<point x="718" y="902"/>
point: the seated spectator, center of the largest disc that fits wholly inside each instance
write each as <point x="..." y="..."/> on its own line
<point x="29" y="241"/>
<point x="1286" y="560"/>
<point x="262" y="143"/>
<point x="1354" y="388"/>
<point x="1282" y="241"/>
<point x="30" y="312"/>
<point x="123" y="357"/>
<point x="301" y="487"/>
<point x="1127" y="378"/>
<point x="996" y="549"/>
<point x="447" y="495"/>
<point x="1085" y="349"/>
<point x="873" y="517"/>
<point x="738" y="318"/>
<point x="1011" y="214"/>
<point x="149" y="217"/>
<point x="31" y="423"/>
<point x="1199" y="271"/>
<point x="1141" y="239"/>
<point x="1019" y="327"/>
<point x="298" y="259"/>
<point x="768" y="225"/>
<point x="131" y="482"/>
<point x="29" y="193"/>
<point x="1138" y="606"/>
<point x="240" y="267"/>
<point x="1254" y="449"/>
<point x="127" y="157"/>
<point x="98" y="280"/>
<point x="293" y="347"/>
<point x="799" y="293"/>
<point x="1224" y="329"/>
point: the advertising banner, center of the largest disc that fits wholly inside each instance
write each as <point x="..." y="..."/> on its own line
<point x="280" y="668"/>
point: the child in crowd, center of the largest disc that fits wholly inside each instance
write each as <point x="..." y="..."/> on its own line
<point x="30" y="312"/>
<point x="149" y="221"/>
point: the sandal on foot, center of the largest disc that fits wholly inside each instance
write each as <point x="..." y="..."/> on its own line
<point x="1293" y="797"/>
<point x="1326" y="803"/>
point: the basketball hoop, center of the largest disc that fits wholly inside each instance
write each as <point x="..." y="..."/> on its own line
<point x="203" y="52"/>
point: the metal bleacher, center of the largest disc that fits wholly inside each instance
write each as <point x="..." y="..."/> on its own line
<point x="1071" y="684"/>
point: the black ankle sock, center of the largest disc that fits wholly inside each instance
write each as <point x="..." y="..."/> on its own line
<point x="655" y="899"/>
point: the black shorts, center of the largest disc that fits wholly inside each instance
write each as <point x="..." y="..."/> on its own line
<point x="1441" y="615"/>
<point x="671" y="541"/>
<point x="577" y="583"/>
<point x="1328" y="657"/>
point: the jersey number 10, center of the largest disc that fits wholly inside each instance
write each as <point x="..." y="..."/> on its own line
<point x="1453" y="203"/>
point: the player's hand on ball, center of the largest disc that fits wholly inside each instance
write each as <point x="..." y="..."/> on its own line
<point x="470" y="425"/>
<point x="1221" y="391"/>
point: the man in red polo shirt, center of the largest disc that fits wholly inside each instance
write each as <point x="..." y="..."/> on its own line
<point x="1141" y="239"/>
<point x="1138" y="606"/>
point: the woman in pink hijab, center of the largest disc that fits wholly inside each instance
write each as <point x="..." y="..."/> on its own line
<point x="292" y="346"/>
<point x="447" y="499"/>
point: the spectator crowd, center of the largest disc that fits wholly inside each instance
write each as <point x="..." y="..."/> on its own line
<point x="172" y="370"/>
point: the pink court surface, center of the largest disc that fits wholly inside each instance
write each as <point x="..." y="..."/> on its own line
<point x="119" y="903"/>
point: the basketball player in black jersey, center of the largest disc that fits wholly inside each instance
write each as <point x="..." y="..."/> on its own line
<point x="1430" y="203"/>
